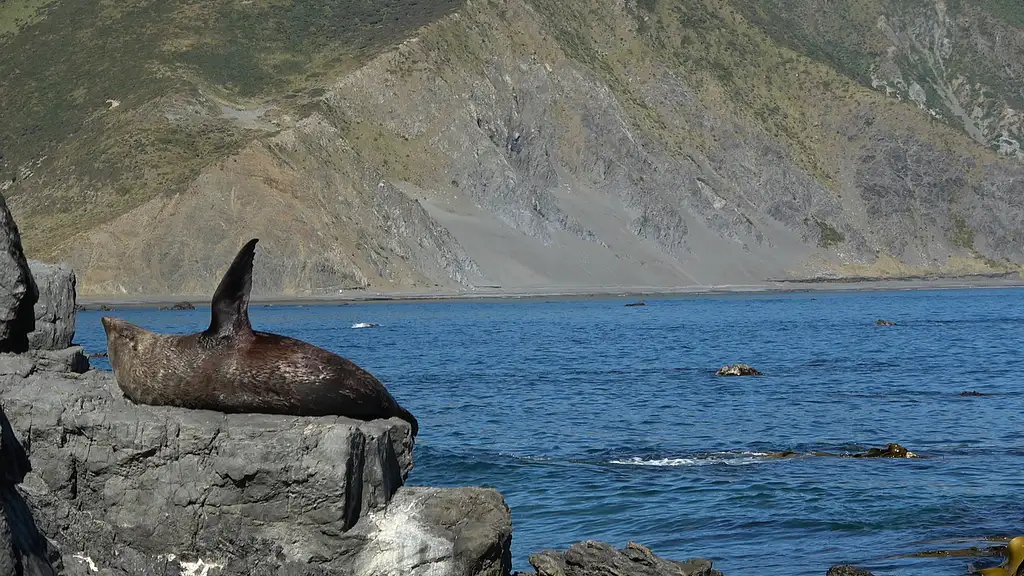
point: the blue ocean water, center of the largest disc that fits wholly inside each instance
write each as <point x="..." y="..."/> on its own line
<point x="597" y="420"/>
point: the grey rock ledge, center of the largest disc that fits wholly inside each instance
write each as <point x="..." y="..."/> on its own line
<point x="133" y="489"/>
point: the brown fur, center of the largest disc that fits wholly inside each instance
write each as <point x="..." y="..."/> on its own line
<point x="231" y="368"/>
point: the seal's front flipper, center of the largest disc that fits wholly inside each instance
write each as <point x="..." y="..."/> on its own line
<point x="230" y="306"/>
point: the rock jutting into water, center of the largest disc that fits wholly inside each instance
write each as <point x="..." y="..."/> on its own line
<point x="136" y="489"/>
<point x="592" y="557"/>
<point x="738" y="370"/>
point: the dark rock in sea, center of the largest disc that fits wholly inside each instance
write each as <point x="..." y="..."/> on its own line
<point x="98" y="355"/>
<point x="636" y="304"/>
<point x="135" y="489"/>
<point x="891" y="450"/>
<point x="973" y="393"/>
<point x="179" y="306"/>
<point x="737" y="370"/>
<point x="18" y="292"/>
<point x="105" y="308"/>
<point x="971" y="552"/>
<point x="592" y="557"/>
<point x="884" y="323"/>
<point x="55" y="309"/>
<point x="24" y="549"/>
<point x="847" y="570"/>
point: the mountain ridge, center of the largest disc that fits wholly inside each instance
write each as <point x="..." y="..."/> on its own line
<point x="533" y="143"/>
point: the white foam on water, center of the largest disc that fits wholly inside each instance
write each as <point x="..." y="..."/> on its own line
<point x="728" y="458"/>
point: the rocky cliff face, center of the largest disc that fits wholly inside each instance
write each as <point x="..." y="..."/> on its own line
<point x="534" y="144"/>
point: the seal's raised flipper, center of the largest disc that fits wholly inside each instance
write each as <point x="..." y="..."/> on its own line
<point x="230" y="305"/>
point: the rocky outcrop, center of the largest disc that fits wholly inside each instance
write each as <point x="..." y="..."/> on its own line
<point x="737" y="370"/>
<point x="55" y="309"/>
<point x="24" y="550"/>
<point x="18" y="293"/>
<point x="591" y="557"/>
<point x="133" y="489"/>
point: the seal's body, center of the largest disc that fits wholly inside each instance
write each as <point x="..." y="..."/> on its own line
<point x="231" y="368"/>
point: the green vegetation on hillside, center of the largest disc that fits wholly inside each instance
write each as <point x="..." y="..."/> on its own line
<point x="1010" y="11"/>
<point x="843" y="34"/>
<point x="68" y="59"/>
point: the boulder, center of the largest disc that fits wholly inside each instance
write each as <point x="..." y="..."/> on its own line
<point x="444" y="531"/>
<point x="737" y="370"/>
<point x="591" y="557"/>
<point x="55" y="309"/>
<point x="18" y="292"/>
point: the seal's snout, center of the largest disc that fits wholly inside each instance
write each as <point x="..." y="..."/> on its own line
<point x="110" y="324"/>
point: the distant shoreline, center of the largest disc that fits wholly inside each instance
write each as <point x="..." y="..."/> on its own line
<point x="582" y="293"/>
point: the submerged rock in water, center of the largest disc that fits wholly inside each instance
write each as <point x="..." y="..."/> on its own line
<point x="884" y="323"/>
<point x="973" y="393"/>
<point x="737" y="370"/>
<point x="847" y="570"/>
<point x="179" y="306"/>
<point x="891" y="450"/>
<point x="592" y="558"/>
<point x="636" y="304"/>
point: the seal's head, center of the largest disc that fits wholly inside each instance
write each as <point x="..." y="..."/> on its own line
<point x="124" y="341"/>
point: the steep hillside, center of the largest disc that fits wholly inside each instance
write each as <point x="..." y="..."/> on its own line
<point x="521" y="143"/>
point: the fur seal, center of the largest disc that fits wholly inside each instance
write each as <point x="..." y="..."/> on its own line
<point x="231" y="368"/>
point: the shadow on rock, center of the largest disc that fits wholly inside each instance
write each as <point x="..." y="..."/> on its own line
<point x="23" y="548"/>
